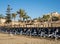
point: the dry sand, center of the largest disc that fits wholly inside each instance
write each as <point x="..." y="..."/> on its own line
<point x="7" y="39"/>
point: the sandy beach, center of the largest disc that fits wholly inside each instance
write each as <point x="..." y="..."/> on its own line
<point x="8" y="39"/>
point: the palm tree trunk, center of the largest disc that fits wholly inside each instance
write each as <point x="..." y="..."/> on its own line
<point x="14" y="22"/>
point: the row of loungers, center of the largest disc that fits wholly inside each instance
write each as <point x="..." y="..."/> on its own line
<point x="53" y="32"/>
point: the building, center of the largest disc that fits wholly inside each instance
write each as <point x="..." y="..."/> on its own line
<point x="55" y="14"/>
<point x="2" y="20"/>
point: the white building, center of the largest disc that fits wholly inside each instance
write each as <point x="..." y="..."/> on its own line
<point x="55" y="14"/>
<point x="2" y="20"/>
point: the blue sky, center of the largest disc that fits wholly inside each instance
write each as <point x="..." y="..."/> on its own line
<point x="34" y="8"/>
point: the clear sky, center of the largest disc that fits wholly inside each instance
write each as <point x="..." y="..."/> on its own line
<point x="34" y="8"/>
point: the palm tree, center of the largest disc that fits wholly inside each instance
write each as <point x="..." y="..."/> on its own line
<point x="26" y="17"/>
<point x="14" y="16"/>
<point x="46" y="17"/>
<point x="21" y="13"/>
<point x="39" y="19"/>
